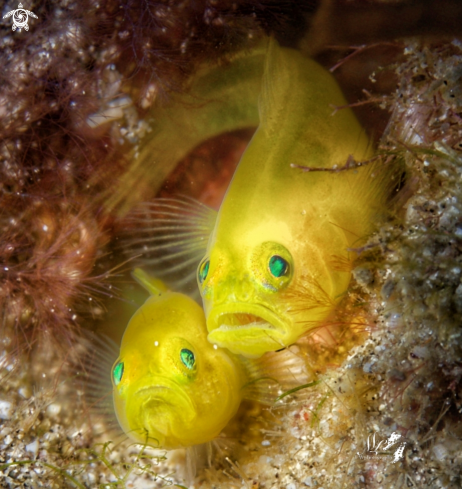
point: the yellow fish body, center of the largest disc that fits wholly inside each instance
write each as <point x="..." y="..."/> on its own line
<point x="171" y="387"/>
<point x="268" y="274"/>
<point x="277" y="261"/>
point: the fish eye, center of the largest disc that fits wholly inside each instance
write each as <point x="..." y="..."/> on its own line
<point x="278" y="266"/>
<point x="203" y="270"/>
<point x="187" y="357"/>
<point x="272" y="266"/>
<point x="118" y="372"/>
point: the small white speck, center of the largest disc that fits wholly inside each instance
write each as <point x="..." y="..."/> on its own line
<point x="25" y="392"/>
<point x="307" y="481"/>
<point x="265" y="443"/>
<point x="367" y="368"/>
<point x="53" y="409"/>
<point x="45" y="227"/>
<point x="440" y="452"/>
<point x="33" y="447"/>
<point x="6" y="409"/>
<point x="156" y="343"/>
<point x="215" y="347"/>
<point x="91" y="478"/>
<point x="5" y="431"/>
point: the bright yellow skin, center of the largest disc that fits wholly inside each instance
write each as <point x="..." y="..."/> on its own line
<point x="159" y="400"/>
<point x="272" y="209"/>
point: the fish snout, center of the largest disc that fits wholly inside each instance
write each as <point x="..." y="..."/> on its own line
<point x="229" y="288"/>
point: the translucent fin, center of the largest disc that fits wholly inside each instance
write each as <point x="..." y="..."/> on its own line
<point x="375" y="189"/>
<point x="197" y="457"/>
<point x="169" y="238"/>
<point x="275" y="84"/>
<point x="153" y="285"/>
<point x="96" y="367"/>
<point x="273" y="374"/>
<point x="191" y="464"/>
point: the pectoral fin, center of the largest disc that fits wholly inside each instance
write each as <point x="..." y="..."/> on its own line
<point x="94" y="371"/>
<point x="273" y="374"/>
<point x="169" y="238"/>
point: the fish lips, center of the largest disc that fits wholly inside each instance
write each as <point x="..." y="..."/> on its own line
<point x="246" y="329"/>
<point x="164" y="409"/>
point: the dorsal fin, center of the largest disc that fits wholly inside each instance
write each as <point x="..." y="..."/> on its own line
<point x="153" y="285"/>
<point x="169" y="238"/>
<point x="275" y="83"/>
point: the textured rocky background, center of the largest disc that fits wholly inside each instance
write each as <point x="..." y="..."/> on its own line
<point x="77" y="92"/>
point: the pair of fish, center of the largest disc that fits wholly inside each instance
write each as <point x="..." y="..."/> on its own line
<point x="267" y="265"/>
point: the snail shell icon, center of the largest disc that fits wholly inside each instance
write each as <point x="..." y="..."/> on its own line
<point x="20" y="17"/>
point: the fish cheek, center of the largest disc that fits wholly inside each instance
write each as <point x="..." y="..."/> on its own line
<point x="217" y="392"/>
<point x="122" y="415"/>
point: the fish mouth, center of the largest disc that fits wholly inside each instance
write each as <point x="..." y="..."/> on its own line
<point x="246" y="329"/>
<point x="162" y="406"/>
<point x="166" y="391"/>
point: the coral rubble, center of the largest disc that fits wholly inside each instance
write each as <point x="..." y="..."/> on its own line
<point x="74" y="93"/>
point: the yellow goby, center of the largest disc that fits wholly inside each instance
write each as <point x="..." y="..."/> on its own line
<point x="171" y="387"/>
<point x="276" y="258"/>
<point x="271" y="270"/>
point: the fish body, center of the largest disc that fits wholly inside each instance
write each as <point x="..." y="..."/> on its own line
<point x="275" y="261"/>
<point x="219" y="99"/>
<point x="171" y="387"/>
<point x="268" y="274"/>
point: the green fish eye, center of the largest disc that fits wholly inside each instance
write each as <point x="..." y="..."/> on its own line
<point x="203" y="271"/>
<point x="278" y="266"/>
<point x="118" y="372"/>
<point x="187" y="357"/>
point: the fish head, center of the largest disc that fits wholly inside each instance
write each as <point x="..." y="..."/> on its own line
<point x="264" y="286"/>
<point x="172" y="388"/>
<point x="242" y="284"/>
